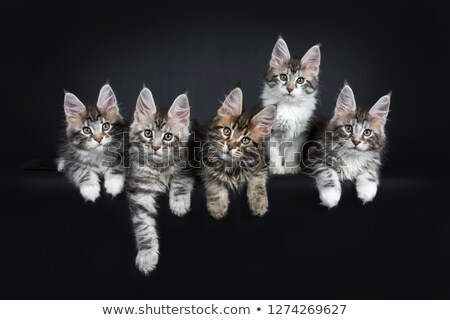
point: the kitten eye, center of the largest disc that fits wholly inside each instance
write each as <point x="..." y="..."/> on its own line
<point x="106" y="126"/>
<point x="226" y="131"/>
<point x="87" y="130"/>
<point x="245" y="140"/>
<point x="283" y="77"/>
<point x="148" y="133"/>
<point x="348" y="128"/>
<point x="367" y="132"/>
<point x="300" y="80"/>
<point x="168" y="136"/>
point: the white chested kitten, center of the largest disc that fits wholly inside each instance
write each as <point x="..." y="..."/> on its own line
<point x="291" y="85"/>
<point x="94" y="146"/>
<point x="348" y="147"/>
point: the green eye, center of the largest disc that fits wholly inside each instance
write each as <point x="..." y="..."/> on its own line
<point x="87" y="130"/>
<point x="106" y="126"/>
<point x="348" y="128"/>
<point x="168" y="136"/>
<point x="245" y="140"/>
<point x="148" y="133"/>
<point x="283" y="77"/>
<point x="367" y="132"/>
<point x="300" y="80"/>
<point x="226" y="131"/>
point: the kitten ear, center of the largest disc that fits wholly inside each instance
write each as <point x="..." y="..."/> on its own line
<point x="264" y="119"/>
<point x="380" y="109"/>
<point x="345" y="101"/>
<point x="311" y="59"/>
<point x="73" y="108"/>
<point x="232" y="106"/>
<point x="179" y="112"/>
<point x="280" y="54"/>
<point x="107" y="101"/>
<point x="145" y="107"/>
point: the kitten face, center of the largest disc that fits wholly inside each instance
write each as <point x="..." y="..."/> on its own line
<point x="237" y="138"/>
<point x="93" y="128"/>
<point x="160" y="133"/>
<point x="358" y="128"/>
<point x="291" y="78"/>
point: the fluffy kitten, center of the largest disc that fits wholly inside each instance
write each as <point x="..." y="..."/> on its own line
<point x="233" y="154"/>
<point x="348" y="148"/>
<point x="159" y="141"/>
<point x="291" y="85"/>
<point x="94" y="147"/>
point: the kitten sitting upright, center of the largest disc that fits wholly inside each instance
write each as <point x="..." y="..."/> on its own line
<point x="233" y="154"/>
<point x="349" y="147"/>
<point x="291" y="85"/>
<point x="94" y="147"/>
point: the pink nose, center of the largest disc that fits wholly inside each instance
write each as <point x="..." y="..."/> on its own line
<point x="156" y="148"/>
<point x="356" y="142"/>
<point x="98" y="139"/>
<point x="289" y="89"/>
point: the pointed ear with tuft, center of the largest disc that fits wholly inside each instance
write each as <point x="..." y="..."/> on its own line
<point x="73" y="108"/>
<point x="280" y="54"/>
<point x="145" y="107"/>
<point x="345" y="102"/>
<point x="179" y="112"/>
<point x="232" y="106"/>
<point x="264" y="119"/>
<point x="380" y="109"/>
<point x="107" y="102"/>
<point x="311" y="60"/>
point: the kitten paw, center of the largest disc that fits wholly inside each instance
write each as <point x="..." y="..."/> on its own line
<point x="277" y="170"/>
<point x="366" y="192"/>
<point x="114" y="184"/>
<point x="259" y="208"/>
<point x="60" y="164"/>
<point x="180" y="206"/>
<point x="329" y="197"/>
<point x="216" y="211"/>
<point x="146" y="261"/>
<point x="90" y="191"/>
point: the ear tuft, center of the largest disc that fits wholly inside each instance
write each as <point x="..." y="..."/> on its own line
<point x="232" y="106"/>
<point x="73" y="107"/>
<point x="264" y="119"/>
<point x="280" y="54"/>
<point x="346" y="101"/>
<point x="179" y="112"/>
<point x="145" y="106"/>
<point x="311" y="59"/>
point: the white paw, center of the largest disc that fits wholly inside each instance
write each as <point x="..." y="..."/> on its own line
<point x="181" y="205"/>
<point x="277" y="170"/>
<point x="114" y="184"/>
<point x="329" y="197"/>
<point x="90" y="191"/>
<point x="366" y="191"/>
<point x="292" y="170"/>
<point x="146" y="261"/>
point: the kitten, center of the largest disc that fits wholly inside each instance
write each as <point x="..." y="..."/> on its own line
<point x="349" y="147"/>
<point x="159" y="141"/>
<point x="94" y="145"/>
<point x="291" y="85"/>
<point x="233" y="154"/>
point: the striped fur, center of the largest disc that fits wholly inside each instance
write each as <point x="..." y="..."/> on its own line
<point x="157" y="165"/>
<point x="348" y="147"/>
<point x="94" y="146"/>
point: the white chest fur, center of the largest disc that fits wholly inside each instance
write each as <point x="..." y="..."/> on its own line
<point x="352" y="163"/>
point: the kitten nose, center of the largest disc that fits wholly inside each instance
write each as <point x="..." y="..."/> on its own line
<point x="156" y="148"/>
<point x="289" y="89"/>
<point x="98" y="139"/>
<point x="231" y="145"/>
<point x="356" y="142"/>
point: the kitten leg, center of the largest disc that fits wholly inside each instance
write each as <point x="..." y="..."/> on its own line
<point x="88" y="182"/>
<point x="180" y="195"/>
<point x="275" y="156"/>
<point x="366" y="186"/>
<point x="257" y="195"/>
<point x="216" y="199"/>
<point x="143" y="208"/>
<point x="292" y="155"/>
<point x="327" y="181"/>
<point x="114" y="180"/>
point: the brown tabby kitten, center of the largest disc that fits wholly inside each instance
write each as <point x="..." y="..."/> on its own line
<point x="233" y="154"/>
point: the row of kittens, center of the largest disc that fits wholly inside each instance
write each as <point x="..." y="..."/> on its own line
<point x="164" y="153"/>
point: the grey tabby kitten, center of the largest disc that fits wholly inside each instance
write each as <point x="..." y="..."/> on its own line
<point x="349" y="147"/>
<point x="94" y="145"/>
<point x="159" y="141"/>
<point x="291" y="85"/>
<point x="233" y="154"/>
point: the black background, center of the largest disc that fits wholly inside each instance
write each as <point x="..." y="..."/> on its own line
<point x="55" y="246"/>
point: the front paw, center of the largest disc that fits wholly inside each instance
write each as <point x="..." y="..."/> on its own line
<point x="217" y="210"/>
<point x="180" y="205"/>
<point x="260" y="207"/>
<point x="146" y="260"/>
<point x="277" y="170"/>
<point x="367" y="191"/>
<point x="329" y="197"/>
<point x="90" y="191"/>
<point x="114" y="184"/>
